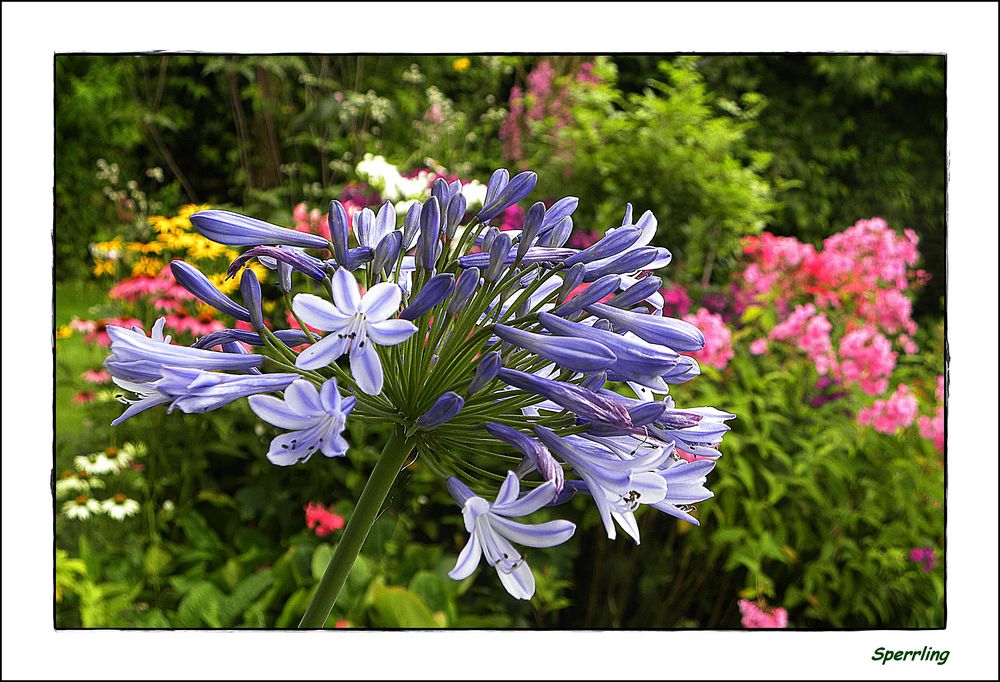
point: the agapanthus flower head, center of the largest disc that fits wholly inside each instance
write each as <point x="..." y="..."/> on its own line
<point x="485" y="350"/>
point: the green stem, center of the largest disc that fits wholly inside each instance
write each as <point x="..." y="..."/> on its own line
<point x="393" y="456"/>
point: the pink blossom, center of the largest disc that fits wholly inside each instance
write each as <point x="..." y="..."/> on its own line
<point x="867" y="359"/>
<point x="754" y="616"/>
<point x="758" y="347"/>
<point x="932" y="428"/>
<point x="896" y="412"/>
<point x="96" y="376"/>
<point x="939" y="390"/>
<point x="322" y="519"/>
<point x="84" y="397"/>
<point x="718" y="350"/>
<point x="83" y="326"/>
<point x="924" y="556"/>
<point x="136" y="287"/>
<point x="675" y="300"/>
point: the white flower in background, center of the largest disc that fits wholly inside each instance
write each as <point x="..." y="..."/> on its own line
<point x="387" y="179"/>
<point x="96" y="463"/>
<point x="81" y="508"/>
<point x="77" y="483"/>
<point x="120" y="507"/>
<point x="475" y="194"/>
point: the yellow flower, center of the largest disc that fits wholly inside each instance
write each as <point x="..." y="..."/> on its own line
<point x="147" y="266"/>
<point x="461" y="64"/>
<point x="139" y="247"/>
<point x="64" y="332"/>
<point x="190" y="209"/>
<point x="103" y="267"/>
<point x="226" y="286"/>
<point x="201" y="248"/>
<point x="111" y="245"/>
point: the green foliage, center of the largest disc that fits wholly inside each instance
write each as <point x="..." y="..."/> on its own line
<point x="670" y="149"/>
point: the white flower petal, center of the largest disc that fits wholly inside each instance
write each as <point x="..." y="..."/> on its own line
<point x="390" y="332"/>
<point x="468" y="560"/>
<point x="366" y="368"/>
<point x="346" y="294"/>
<point x="276" y="412"/>
<point x="381" y="301"/>
<point x="319" y="313"/>
<point x="323" y="352"/>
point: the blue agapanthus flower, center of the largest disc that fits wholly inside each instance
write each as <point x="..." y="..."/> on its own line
<point x="505" y="358"/>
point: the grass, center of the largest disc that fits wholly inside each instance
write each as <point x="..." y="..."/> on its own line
<point x="72" y="358"/>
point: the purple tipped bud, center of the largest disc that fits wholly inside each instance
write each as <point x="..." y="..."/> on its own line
<point x="518" y="188"/>
<point x="665" y="331"/>
<point x="459" y="491"/>
<point x="636" y="293"/>
<point x="364" y="226"/>
<point x="444" y="410"/>
<point x="429" y="243"/>
<point x="611" y="244"/>
<point x="488" y="238"/>
<point x="337" y="219"/>
<point x="233" y="229"/>
<point x="556" y="212"/>
<point x="486" y="372"/>
<point x="558" y="235"/>
<point x="387" y="252"/>
<point x="456" y="211"/>
<point x="234" y="347"/>
<point x="677" y="419"/>
<point x="293" y="258"/>
<point x="577" y="355"/>
<point x="627" y="220"/>
<point x="532" y="224"/>
<point x="631" y="261"/>
<point x="536" y="455"/>
<point x="686" y="369"/>
<point x="194" y="281"/>
<point x="499" y="250"/>
<point x="595" y="381"/>
<point x="411" y="226"/>
<point x="646" y="413"/>
<point x="289" y="337"/>
<point x="358" y="256"/>
<point x="250" y="291"/>
<point x="602" y="325"/>
<point x="466" y="285"/>
<point x="434" y="292"/>
<point x="595" y="292"/>
<point x="497" y="182"/>
<point x="583" y="403"/>
<point x="571" y="280"/>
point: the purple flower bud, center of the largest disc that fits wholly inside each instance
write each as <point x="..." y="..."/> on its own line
<point x="250" y="291"/>
<point x="191" y="278"/>
<point x="627" y="220"/>
<point x="577" y="355"/>
<point x="595" y="381"/>
<point x="636" y="359"/>
<point x="456" y="211"/>
<point x="532" y="224"/>
<point x="602" y="325"/>
<point x="466" y="285"/>
<point x="576" y="399"/>
<point x="631" y="261"/>
<point x="364" y="223"/>
<point x="686" y="369"/>
<point x="442" y="191"/>
<point x="433" y="292"/>
<point x="497" y="182"/>
<point x="534" y="255"/>
<point x="536" y="455"/>
<point x="646" y="413"/>
<point x="289" y="337"/>
<point x="518" y="188"/>
<point x="411" y="226"/>
<point x="234" y="229"/>
<point x="595" y="292"/>
<point x="444" y="410"/>
<point x="558" y="235"/>
<point x="387" y="252"/>
<point x="666" y="331"/>
<point x="499" y="250"/>
<point x="556" y="212"/>
<point x="235" y="347"/>
<point x="571" y="280"/>
<point x="337" y="219"/>
<point x="677" y="419"/>
<point x="486" y="372"/>
<point x="429" y="245"/>
<point x="486" y="241"/>
<point x="609" y="245"/>
<point x="298" y="260"/>
<point x="636" y="293"/>
<point x="358" y="256"/>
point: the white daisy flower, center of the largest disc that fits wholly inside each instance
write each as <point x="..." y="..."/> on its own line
<point x="95" y="463"/>
<point x="79" y="483"/>
<point x="120" y="507"/>
<point x="81" y="508"/>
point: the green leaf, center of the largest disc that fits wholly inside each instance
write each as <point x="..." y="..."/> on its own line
<point x="397" y="607"/>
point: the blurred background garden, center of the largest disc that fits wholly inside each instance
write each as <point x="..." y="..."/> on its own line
<point x="803" y="198"/>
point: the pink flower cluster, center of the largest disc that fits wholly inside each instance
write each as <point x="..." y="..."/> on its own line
<point x="895" y="412"/>
<point x="852" y="294"/>
<point x="925" y="556"/>
<point x="546" y="97"/>
<point x="322" y="520"/>
<point x="718" y="350"/>
<point x="932" y="428"/>
<point x="676" y="301"/>
<point x="754" y="616"/>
